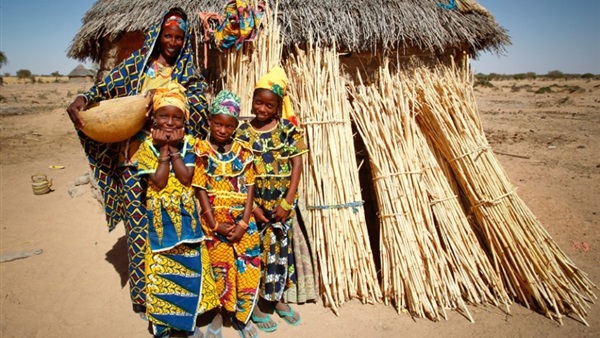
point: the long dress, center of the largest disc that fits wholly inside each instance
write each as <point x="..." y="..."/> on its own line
<point x="236" y="266"/>
<point x="273" y="150"/>
<point x="179" y="280"/>
<point x="113" y="165"/>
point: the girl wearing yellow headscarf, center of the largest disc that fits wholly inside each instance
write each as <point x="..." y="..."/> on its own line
<point x="277" y="146"/>
<point x="175" y="292"/>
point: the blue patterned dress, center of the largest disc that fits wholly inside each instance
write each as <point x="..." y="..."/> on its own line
<point x="123" y="191"/>
<point x="273" y="150"/>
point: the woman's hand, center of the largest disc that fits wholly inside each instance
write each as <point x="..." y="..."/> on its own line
<point x="73" y="110"/>
<point x="150" y="96"/>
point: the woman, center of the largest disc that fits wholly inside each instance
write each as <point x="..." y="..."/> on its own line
<point x="165" y="57"/>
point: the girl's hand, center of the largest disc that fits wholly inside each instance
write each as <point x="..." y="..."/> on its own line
<point x="259" y="215"/>
<point x="279" y="214"/>
<point x="175" y="138"/>
<point x="236" y="233"/>
<point x="224" y="229"/>
<point x="159" y="137"/>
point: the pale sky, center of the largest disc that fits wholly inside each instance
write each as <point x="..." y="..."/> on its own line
<point x="546" y="35"/>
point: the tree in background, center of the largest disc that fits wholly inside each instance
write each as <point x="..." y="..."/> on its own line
<point x="3" y="59"/>
<point x="25" y="74"/>
<point x="55" y="74"/>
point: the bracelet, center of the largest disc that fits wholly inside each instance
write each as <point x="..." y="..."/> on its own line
<point x="216" y="226"/>
<point x="164" y="159"/>
<point x="175" y="154"/>
<point x="243" y="224"/>
<point x="285" y="205"/>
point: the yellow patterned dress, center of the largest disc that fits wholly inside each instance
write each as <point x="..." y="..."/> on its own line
<point x="236" y="266"/>
<point x="179" y="280"/>
<point x="273" y="150"/>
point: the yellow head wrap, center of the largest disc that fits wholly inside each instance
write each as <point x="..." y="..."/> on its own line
<point x="276" y="81"/>
<point x="171" y="95"/>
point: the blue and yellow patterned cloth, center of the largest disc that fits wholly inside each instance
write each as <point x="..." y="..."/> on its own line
<point x="240" y="24"/>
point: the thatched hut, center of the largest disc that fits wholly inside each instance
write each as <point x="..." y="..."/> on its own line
<point x="81" y="74"/>
<point x="372" y="36"/>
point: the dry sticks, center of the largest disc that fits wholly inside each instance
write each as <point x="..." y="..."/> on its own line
<point x="431" y="258"/>
<point x="335" y="220"/>
<point x="535" y="271"/>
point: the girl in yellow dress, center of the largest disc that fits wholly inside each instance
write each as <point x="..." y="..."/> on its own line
<point x="179" y="282"/>
<point x="225" y="180"/>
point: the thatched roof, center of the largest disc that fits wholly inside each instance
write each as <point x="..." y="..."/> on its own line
<point x="81" y="71"/>
<point x="356" y="25"/>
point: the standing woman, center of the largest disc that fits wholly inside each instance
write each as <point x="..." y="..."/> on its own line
<point x="165" y="57"/>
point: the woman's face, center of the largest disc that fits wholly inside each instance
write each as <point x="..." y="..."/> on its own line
<point x="169" y="118"/>
<point x="222" y="127"/>
<point x="171" y="41"/>
<point x="265" y="104"/>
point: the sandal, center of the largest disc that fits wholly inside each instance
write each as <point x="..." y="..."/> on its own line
<point x="291" y="317"/>
<point x="260" y="321"/>
<point x="212" y="333"/>
<point x="247" y="331"/>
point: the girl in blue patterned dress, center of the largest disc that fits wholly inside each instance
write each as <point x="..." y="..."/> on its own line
<point x="277" y="147"/>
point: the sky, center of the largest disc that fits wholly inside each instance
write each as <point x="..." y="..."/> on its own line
<point x="546" y="35"/>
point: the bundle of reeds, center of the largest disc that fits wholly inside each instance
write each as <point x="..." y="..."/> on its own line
<point x="431" y="259"/>
<point x="535" y="271"/>
<point x="335" y="216"/>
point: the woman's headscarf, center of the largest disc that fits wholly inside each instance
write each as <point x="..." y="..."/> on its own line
<point x="171" y="95"/>
<point x="226" y="103"/>
<point x="276" y="81"/>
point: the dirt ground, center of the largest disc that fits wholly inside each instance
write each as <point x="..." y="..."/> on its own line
<point x="549" y="143"/>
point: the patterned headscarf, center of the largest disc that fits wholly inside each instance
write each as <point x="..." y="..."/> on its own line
<point x="276" y="81"/>
<point x="171" y="95"/>
<point x="177" y="21"/>
<point x="226" y="103"/>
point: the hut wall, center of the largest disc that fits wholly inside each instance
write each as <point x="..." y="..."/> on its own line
<point x="115" y="51"/>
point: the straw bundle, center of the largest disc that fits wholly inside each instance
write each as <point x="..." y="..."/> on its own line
<point x="534" y="269"/>
<point x="431" y="259"/>
<point x="335" y="220"/>
<point x="244" y="67"/>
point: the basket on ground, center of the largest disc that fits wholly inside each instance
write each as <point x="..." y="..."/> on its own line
<point x="115" y="120"/>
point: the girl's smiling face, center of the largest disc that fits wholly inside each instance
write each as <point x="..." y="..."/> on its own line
<point x="169" y="118"/>
<point x="265" y="104"/>
<point x="222" y="127"/>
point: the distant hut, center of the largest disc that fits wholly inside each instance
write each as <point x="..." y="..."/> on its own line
<point x="81" y="74"/>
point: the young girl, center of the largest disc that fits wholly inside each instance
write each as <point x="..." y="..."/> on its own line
<point x="225" y="180"/>
<point x="176" y="260"/>
<point x="277" y="146"/>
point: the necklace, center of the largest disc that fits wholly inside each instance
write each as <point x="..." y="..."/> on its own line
<point x="220" y="145"/>
<point x="260" y="124"/>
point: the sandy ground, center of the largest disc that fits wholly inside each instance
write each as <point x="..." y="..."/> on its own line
<point x="548" y="144"/>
